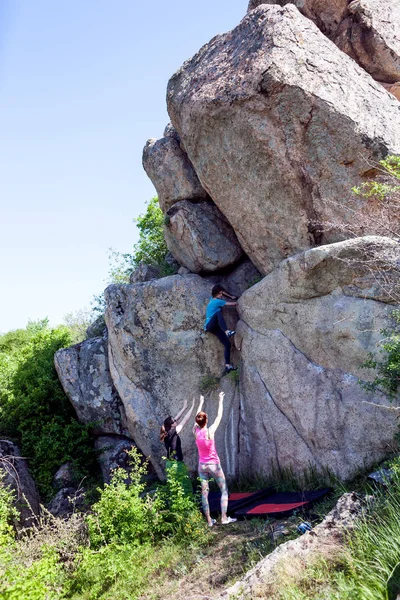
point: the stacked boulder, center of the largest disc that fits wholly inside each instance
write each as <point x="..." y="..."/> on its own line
<point x="273" y="124"/>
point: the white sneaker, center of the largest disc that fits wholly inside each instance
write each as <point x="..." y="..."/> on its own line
<point x="228" y="520"/>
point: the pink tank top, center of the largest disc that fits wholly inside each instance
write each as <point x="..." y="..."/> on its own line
<point x="206" y="447"/>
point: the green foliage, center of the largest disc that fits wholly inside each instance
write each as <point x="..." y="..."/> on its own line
<point x="388" y="369"/>
<point x="362" y="570"/>
<point x="390" y="167"/>
<point x="124" y="514"/>
<point x="33" y="407"/>
<point x="7" y="513"/>
<point x="41" y="580"/>
<point x="151" y="248"/>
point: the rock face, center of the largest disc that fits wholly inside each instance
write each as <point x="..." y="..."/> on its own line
<point x="366" y="30"/>
<point x="159" y="357"/>
<point x="200" y="237"/>
<point x="305" y="123"/>
<point x="145" y="273"/>
<point x="84" y="374"/>
<point x="370" y="35"/>
<point x="325" y="539"/>
<point x="304" y="332"/>
<point x="171" y="172"/>
<point x="113" y="454"/>
<point x="17" y="477"/>
<point x="326" y="15"/>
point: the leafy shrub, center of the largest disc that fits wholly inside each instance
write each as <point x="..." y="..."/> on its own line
<point x="34" y="409"/>
<point x="125" y="514"/>
<point x="7" y="512"/>
<point x="388" y="370"/>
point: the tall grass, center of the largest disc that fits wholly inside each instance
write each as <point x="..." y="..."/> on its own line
<point x="367" y="568"/>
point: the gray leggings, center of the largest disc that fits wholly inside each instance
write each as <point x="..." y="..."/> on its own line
<point x="214" y="470"/>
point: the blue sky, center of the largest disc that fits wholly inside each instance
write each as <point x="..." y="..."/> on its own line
<point x="82" y="87"/>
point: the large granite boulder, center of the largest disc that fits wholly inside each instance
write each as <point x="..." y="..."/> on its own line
<point x="171" y="172"/>
<point x="305" y="124"/>
<point x="200" y="237"/>
<point x="159" y="357"/>
<point x="366" y="30"/>
<point x="304" y="331"/>
<point x="326" y="14"/>
<point x="237" y="279"/>
<point x="16" y="476"/>
<point x="85" y="376"/>
<point x="371" y="35"/>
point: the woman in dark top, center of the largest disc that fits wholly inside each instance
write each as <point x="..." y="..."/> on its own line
<point x="169" y="433"/>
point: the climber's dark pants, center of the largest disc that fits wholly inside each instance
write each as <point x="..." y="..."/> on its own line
<point x="217" y="326"/>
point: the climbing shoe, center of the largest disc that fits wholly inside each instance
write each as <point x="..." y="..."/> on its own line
<point x="230" y="333"/>
<point x="230" y="368"/>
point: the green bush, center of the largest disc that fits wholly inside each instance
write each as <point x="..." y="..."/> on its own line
<point x="125" y="514"/>
<point x="388" y="369"/>
<point x="34" y="410"/>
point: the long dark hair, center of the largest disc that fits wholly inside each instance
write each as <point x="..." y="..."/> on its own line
<point x="166" y="427"/>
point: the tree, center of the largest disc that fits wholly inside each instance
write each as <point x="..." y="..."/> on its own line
<point x="150" y="249"/>
<point x="33" y="407"/>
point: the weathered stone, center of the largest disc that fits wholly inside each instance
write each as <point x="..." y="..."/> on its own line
<point x="145" y="273"/>
<point x="301" y="359"/>
<point x="64" y="477"/>
<point x="366" y="30"/>
<point x="327" y="15"/>
<point x="113" y="454"/>
<point x="370" y="35"/>
<point x="238" y="279"/>
<point x="305" y="123"/>
<point x="393" y="88"/>
<point x="84" y="374"/>
<point x="331" y="301"/>
<point x="200" y="237"/>
<point x="18" y="478"/>
<point x="97" y="328"/>
<point x="159" y="357"/>
<point x="170" y="131"/>
<point x="171" y="172"/>
<point x="326" y="539"/>
<point x="66" y="501"/>
<point x="183" y="271"/>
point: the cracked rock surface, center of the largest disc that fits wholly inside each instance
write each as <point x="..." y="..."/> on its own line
<point x="85" y="376"/>
<point x="304" y="331"/>
<point x="171" y="171"/>
<point x="279" y="125"/>
<point x="200" y="237"/>
<point x="159" y="357"/>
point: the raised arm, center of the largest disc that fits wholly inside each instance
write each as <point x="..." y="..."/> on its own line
<point x="180" y="413"/>
<point x="217" y="421"/>
<point x="185" y="419"/>
<point x="199" y="409"/>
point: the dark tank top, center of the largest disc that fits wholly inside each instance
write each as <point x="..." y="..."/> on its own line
<point x="173" y="446"/>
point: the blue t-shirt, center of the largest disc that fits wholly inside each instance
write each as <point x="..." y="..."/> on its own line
<point x="213" y="307"/>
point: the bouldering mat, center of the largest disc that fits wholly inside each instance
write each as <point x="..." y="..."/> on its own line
<point x="266" y="502"/>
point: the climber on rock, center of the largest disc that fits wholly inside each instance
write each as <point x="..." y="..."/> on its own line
<point x="215" y="322"/>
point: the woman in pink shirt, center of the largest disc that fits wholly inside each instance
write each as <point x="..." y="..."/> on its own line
<point x="209" y="463"/>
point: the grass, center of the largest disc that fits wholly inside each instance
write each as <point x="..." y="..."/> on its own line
<point x="365" y="569"/>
